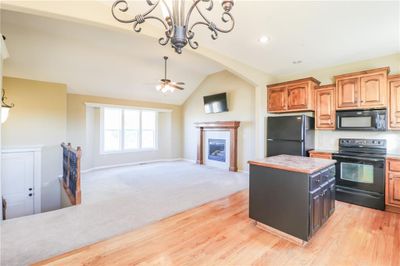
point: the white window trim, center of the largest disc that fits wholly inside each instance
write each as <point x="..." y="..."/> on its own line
<point x="122" y="137"/>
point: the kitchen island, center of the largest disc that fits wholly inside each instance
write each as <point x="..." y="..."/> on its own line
<point x="292" y="196"/>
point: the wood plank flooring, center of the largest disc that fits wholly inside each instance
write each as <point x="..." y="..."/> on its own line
<point x="220" y="233"/>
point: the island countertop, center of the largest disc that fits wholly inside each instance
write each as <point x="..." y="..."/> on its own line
<point x="292" y="163"/>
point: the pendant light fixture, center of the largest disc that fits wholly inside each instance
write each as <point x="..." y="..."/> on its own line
<point x="5" y="108"/>
<point x="178" y="28"/>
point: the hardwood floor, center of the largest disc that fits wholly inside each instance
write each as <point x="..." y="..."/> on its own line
<point x="220" y="233"/>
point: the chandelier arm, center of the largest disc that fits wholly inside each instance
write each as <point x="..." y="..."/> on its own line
<point x="225" y="17"/>
<point x="195" y="2"/>
<point x="140" y="18"/>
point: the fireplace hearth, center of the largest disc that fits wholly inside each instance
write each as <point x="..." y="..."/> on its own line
<point x="216" y="150"/>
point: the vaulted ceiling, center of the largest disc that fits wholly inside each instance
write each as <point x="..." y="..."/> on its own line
<point x="124" y="64"/>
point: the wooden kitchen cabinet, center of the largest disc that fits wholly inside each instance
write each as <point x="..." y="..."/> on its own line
<point x="292" y="96"/>
<point x="320" y="154"/>
<point x="325" y="107"/>
<point x="362" y="90"/>
<point x="392" y="197"/>
<point x="277" y="99"/>
<point x="394" y="102"/>
<point x="298" y="97"/>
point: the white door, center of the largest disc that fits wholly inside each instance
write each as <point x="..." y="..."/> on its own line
<point x="17" y="175"/>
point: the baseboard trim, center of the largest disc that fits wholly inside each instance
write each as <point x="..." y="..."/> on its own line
<point x="189" y="160"/>
<point x="130" y="164"/>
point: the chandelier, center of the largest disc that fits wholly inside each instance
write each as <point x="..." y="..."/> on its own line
<point x="176" y="22"/>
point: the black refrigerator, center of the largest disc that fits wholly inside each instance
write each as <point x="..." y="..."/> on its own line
<point x="292" y="135"/>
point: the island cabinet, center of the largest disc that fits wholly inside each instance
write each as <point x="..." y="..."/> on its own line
<point x="292" y="96"/>
<point x="325" y="107"/>
<point x="292" y="196"/>
<point x="392" y="196"/>
<point x="361" y="90"/>
<point x="394" y="102"/>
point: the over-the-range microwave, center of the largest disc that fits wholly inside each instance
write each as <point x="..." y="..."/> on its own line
<point x="363" y="120"/>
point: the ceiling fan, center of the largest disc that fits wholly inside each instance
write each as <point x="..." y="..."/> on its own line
<point x="167" y="85"/>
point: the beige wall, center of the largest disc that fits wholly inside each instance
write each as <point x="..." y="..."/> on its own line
<point x="83" y="129"/>
<point x="241" y="100"/>
<point x="38" y="118"/>
<point x="329" y="139"/>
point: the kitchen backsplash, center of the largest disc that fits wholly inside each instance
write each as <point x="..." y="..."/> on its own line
<point x="328" y="140"/>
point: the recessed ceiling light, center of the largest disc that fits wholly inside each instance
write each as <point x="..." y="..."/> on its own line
<point x="263" y="39"/>
<point x="297" y="62"/>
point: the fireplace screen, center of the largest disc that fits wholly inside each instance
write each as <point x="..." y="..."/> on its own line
<point x="216" y="150"/>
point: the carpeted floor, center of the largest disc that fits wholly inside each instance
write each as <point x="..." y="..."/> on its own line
<point x="115" y="201"/>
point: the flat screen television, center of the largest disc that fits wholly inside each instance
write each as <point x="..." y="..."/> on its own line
<point x="216" y="103"/>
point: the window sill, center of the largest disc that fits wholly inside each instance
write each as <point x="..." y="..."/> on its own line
<point x="127" y="151"/>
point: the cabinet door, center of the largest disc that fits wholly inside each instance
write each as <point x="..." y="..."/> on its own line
<point x="332" y="192"/>
<point x="394" y="189"/>
<point x="298" y="96"/>
<point x="373" y="91"/>
<point x="394" y="103"/>
<point x="326" y="198"/>
<point x="347" y="93"/>
<point x="277" y="99"/>
<point x="325" y="108"/>
<point x="316" y="210"/>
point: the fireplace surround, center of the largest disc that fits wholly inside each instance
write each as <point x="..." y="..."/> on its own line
<point x="230" y="126"/>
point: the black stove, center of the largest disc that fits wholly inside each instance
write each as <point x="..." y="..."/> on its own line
<point x="360" y="172"/>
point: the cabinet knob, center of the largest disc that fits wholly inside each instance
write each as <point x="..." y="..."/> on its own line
<point x="30" y="194"/>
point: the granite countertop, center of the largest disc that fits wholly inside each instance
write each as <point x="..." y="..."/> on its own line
<point x="292" y="163"/>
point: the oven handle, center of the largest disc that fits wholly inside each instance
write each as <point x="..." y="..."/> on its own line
<point x="359" y="158"/>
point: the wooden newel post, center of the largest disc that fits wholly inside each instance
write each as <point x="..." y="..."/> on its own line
<point x="78" y="175"/>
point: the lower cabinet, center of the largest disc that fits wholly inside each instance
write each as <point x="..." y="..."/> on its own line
<point x="322" y="199"/>
<point x="393" y="185"/>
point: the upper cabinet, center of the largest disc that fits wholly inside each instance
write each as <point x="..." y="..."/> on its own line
<point x="325" y="113"/>
<point x="277" y="99"/>
<point x="292" y="96"/>
<point x="365" y="89"/>
<point x="394" y="102"/>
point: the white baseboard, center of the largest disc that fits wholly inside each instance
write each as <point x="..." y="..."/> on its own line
<point x="130" y="164"/>
<point x="189" y="160"/>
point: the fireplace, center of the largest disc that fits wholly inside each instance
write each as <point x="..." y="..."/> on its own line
<point x="216" y="150"/>
<point x="226" y="131"/>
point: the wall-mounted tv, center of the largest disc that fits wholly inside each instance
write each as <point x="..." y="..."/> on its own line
<point x="216" y="103"/>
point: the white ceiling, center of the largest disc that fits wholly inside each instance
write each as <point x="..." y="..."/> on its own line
<point x="96" y="61"/>
<point x="319" y="33"/>
<point x="120" y="64"/>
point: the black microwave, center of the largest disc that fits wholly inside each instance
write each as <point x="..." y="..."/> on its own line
<point x="363" y="120"/>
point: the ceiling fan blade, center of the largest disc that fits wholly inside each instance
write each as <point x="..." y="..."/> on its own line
<point x="178" y="83"/>
<point x="176" y="87"/>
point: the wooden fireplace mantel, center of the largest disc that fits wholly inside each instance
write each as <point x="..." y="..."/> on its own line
<point x="231" y="126"/>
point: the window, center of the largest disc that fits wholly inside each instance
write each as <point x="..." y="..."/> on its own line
<point x="128" y="129"/>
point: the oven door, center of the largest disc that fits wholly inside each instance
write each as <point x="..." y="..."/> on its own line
<point x="360" y="173"/>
